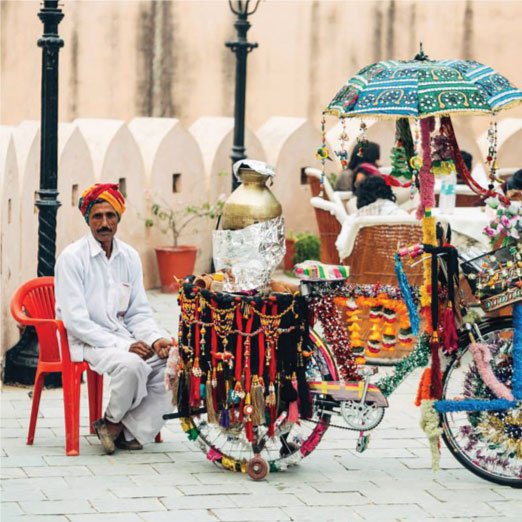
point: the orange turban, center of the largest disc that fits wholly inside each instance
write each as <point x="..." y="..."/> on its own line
<point x="108" y="192"/>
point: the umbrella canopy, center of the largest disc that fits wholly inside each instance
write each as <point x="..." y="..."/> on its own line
<point x="421" y="87"/>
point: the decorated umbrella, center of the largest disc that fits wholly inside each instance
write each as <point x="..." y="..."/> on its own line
<point x="422" y="88"/>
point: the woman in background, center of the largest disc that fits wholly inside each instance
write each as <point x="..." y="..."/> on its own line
<point x="359" y="167"/>
<point x="375" y="198"/>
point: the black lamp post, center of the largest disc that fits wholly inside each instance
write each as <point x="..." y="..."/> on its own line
<point x="22" y="359"/>
<point x="241" y="47"/>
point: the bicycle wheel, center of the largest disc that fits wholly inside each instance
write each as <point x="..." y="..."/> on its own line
<point x="487" y="443"/>
<point x="230" y="448"/>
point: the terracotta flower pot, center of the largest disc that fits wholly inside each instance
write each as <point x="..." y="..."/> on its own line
<point x="175" y="261"/>
<point x="288" y="260"/>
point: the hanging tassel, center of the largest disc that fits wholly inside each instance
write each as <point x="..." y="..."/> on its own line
<point x="436" y="380"/>
<point x="195" y="381"/>
<point x="424" y="389"/>
<point x="248" y="411"/>
<point x="211" y="411"/>
<point x="183" y="396"/>
<point x="271" y="400"/>
<point x="221" y="388"/>
<point x="224" y="419"/>
<point x="293" y="409"/>
<point x="449" y="328"/>
<point x="257" y="391"/>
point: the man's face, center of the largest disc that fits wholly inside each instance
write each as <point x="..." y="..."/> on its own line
<point x="103" y="221"/>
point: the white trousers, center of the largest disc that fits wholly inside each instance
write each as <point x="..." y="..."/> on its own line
<point x="138" y="397"/>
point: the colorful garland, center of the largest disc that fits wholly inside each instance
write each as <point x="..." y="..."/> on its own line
<point x="418" y="358"/>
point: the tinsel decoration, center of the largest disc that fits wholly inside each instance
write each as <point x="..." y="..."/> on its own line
<point x="436" y="378"/>
<point x="426" y="178"/>
<point x="374" y="341"/>
<point x="430" y="425"/>
<point x="516" y="381"/>
<point x="404" y="285"/>
<point x="416" y="359"/>
<point x="474" y="405"/>
<point x="335" y="334"/>
<point x="429" y="238"/>
<point x="482" y="357"/>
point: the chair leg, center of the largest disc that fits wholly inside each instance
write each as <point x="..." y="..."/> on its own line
<point x="95" y="386"/>
<point x="37" y="392"/>
<point x="71" y="401"/>
<point x="158" y="437"/>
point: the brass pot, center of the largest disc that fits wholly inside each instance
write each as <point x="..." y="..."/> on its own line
<point x="252" y="202"/>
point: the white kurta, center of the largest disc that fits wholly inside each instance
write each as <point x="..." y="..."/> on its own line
<point x="103" y="305"/>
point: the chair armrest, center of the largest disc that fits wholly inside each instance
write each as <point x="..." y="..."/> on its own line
<point x="344" y="194"/>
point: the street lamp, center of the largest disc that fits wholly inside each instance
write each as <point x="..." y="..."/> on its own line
<point x="241" y="47"/>
<point x="22" y="359"/>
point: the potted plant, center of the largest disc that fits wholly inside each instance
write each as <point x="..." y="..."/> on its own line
<point x="178" y="261"/>
<point x="307" y="247"/>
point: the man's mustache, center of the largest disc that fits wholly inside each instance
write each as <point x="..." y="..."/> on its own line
<point x="104" y="229"/>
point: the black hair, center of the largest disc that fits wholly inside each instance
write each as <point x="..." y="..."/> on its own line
<point x="371" y="189"/>
<point x="467" y="158"/>
<point x="370" y="154"/>
<point x="515" y="181"/>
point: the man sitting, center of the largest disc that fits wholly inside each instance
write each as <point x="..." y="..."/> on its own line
<point x="101" y="299"/>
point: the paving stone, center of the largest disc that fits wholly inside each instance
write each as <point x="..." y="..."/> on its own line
<point x="57" y="471"/>
<point x="275" y="500"/>
<point x="127" y="505"/>
<point x="390" y="512"/>
<point x="39" y="518"/>
<point x="165" y="479"/>
<point x="105" y="517"/>
<point x="21" y="493"/>
<point x="465" y="495"/>
<point x="190" y="515"/>
<point x="512" y="508"/>
<point x="12" y="473"/>
<point x="21" y="462"/>
<point x="217" y="489"/>
<point x="202" y="502"/>
<point x="246" y="515"/>
<point x="121" y="469"/>
<point x="145" y="491"/>
<point x="322" y="514"/>
<point x="56" y="507"/>
<point x="106" y="481"/>
<point x="458" y="508"/>
<point x="9" y="510"/>
<point x="84" y="493"/>
<point x="333" y="499"/>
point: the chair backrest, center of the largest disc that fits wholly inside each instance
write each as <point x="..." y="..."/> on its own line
<point x="329" y="227"/>
<point x="372" y="259"/>
<point x="35" y="299"/>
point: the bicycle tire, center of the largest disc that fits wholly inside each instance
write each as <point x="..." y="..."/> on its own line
<point x="466" y="441"/>
<point x="279" y="452"/>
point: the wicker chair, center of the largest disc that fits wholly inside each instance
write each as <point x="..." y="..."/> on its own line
<point x="329" y="227"/>
<point x="372" y="259"/>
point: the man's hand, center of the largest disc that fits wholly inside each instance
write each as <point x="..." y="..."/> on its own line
<point x="162" y="347"/>
<point x="142" y="349"/>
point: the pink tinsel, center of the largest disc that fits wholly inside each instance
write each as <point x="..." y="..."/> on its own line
<point x="171" y="371"/>
<point x="213" y="454"/>
<point x="314" y="439"/>
<point x="449" y="329"/>
<point x="426" y="178"/>
<point x="482" y="356"/>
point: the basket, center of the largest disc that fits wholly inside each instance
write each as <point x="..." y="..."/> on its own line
<point x="495" y="277"/>
<point x="372" y="260"/>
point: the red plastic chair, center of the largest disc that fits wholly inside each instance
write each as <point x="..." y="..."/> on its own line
<point x="33" y="305"/>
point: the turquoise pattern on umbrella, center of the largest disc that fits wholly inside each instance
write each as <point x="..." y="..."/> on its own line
<point x="423" y="87"/>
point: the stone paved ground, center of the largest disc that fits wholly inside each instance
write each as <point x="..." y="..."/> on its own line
<point x="173" y="481"/>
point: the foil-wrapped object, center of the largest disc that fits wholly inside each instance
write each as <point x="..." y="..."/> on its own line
<point x="249" y="256"/>
<point x="258" y="166"/>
